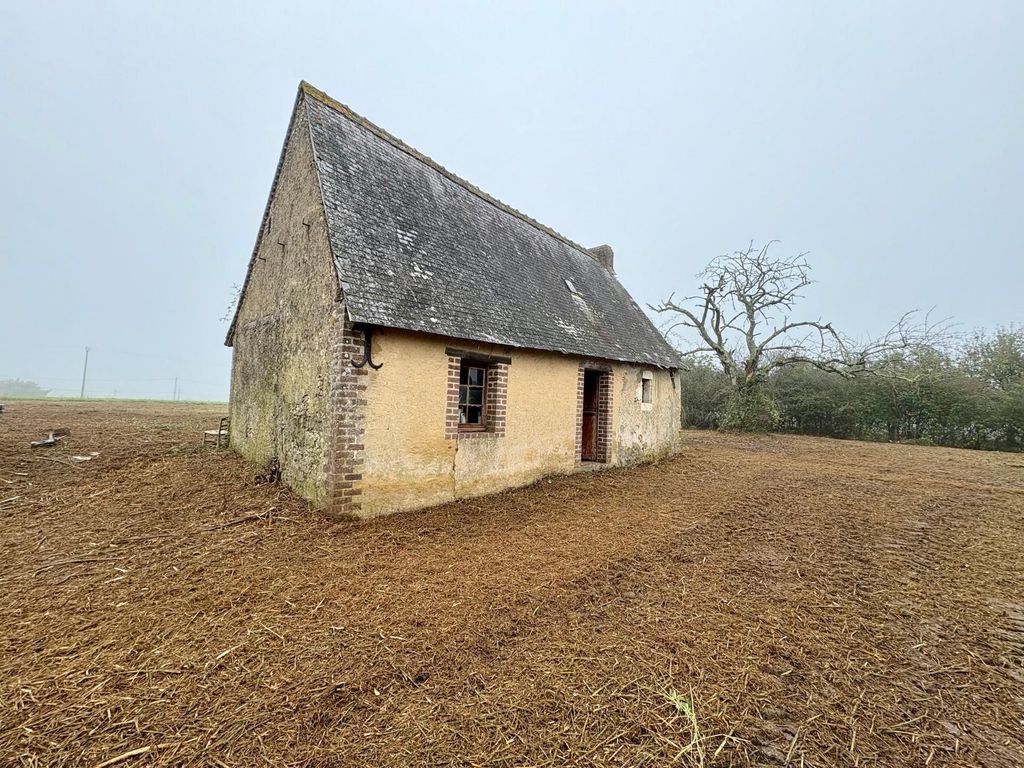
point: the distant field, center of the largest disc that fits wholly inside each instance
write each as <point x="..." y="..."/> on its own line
<point x="819" y="602"/>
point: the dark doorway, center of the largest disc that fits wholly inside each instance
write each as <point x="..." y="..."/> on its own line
<point x="591" y="414"/>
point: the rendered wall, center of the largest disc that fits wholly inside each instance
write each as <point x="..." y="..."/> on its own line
<point x="284" y="333"/>
<point x="645" y="431"/>
<point x="408" y="462"/>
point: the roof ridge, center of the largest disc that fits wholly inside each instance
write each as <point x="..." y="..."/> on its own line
<point x="358" y="119"/>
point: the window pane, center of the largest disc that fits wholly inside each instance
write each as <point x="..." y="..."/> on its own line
<point x="472" y="394"/>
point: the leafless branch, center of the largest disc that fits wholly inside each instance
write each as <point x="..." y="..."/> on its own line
<point x="741" y="316"/>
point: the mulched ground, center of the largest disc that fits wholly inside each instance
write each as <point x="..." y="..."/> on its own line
<point x="753" y="601"/>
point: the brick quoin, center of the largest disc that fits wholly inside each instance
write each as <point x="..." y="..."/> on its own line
<point x="579" y="414"/>
<point x="344" y="459"/>
<point x="604" y="418"/>
<point x="451" y="413"/>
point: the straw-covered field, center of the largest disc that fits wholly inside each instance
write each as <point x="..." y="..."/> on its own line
<point x="754" y="601"/>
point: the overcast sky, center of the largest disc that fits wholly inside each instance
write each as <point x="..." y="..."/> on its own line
<point x="137" y="148"/>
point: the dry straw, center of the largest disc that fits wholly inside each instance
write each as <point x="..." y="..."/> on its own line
<point x="756" y="601"/>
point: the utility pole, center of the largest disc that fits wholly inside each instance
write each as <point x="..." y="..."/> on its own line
<point x="84" y="369"/>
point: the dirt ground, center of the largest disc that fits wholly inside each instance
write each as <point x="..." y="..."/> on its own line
<point x="753" y="601"/>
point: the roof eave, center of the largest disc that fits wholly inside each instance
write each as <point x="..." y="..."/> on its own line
<point x="673" y="364"/>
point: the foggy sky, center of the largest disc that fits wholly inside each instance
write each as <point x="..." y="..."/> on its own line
<point x="137" y="148"/>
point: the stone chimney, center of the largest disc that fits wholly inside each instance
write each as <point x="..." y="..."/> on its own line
<point x="604" y="255"/>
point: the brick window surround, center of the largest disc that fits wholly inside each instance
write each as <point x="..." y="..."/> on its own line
<point x="604" y="417"/>
<point x="495" y="397"/>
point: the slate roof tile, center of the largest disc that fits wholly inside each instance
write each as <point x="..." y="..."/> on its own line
<point x="419" y="248"/>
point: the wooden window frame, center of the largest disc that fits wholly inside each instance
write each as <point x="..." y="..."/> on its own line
<point x="468" y="364"/>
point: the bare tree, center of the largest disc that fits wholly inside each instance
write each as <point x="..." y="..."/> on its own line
<point x="742" y="316"/>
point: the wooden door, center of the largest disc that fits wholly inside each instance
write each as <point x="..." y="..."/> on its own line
<point x="591" y="408"/>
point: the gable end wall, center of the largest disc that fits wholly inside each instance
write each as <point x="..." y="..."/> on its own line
<point x="285" y="331"/>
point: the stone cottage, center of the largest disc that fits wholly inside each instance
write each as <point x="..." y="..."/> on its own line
<point x="403" y="339"/>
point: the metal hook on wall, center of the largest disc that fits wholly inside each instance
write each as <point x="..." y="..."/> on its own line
<point x="367" y="351"/>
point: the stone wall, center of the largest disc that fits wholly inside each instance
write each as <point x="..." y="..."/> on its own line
<point x="286" y="331"/>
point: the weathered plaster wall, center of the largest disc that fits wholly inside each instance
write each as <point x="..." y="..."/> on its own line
<point x="644" y="431"/>
<point x="540" y="432"/>
<point x="407" y="461"/>
<point x="284" y="334"/>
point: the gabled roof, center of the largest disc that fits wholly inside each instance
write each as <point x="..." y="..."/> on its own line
<point x="418" y="248"/>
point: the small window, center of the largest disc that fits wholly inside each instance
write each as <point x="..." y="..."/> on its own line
<point x="647" y="389"/>
<point x="472" y="396"/>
